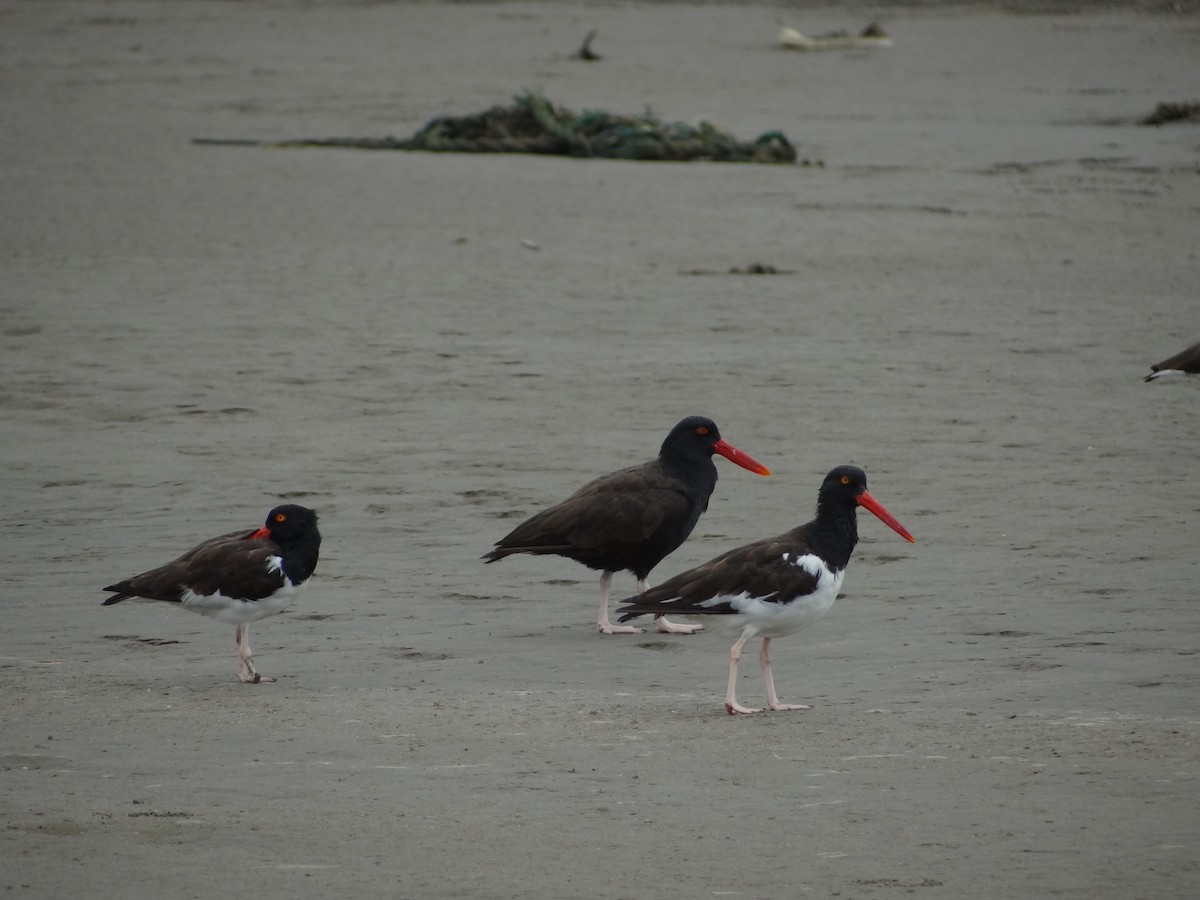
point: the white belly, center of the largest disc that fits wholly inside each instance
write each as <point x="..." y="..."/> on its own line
<point x="239" y="612"/>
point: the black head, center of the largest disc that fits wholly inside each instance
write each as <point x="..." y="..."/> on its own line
<point x="289" y="522"/>
<point x="693" y="441"/>
<point x="844" y="485"/>
<point x="693" y="438"/>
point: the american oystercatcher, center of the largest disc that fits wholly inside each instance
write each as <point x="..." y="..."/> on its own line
<point x="777" y="586"/>
<point x="1186" y="362"/>
<point x="632" y="518"/>
<point x="237" y="578"/>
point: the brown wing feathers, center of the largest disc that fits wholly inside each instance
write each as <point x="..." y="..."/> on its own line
<point x="756" y="570"/>
<point x="625" y="507"/>
<point x="231" y="564"/>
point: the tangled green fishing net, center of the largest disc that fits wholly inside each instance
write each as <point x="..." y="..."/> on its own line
<point x="532" y="124"/>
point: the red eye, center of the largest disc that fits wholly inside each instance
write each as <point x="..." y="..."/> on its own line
<point x="702" y="431"/>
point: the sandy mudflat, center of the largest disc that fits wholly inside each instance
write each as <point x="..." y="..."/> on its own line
<point x="974" y="283"/>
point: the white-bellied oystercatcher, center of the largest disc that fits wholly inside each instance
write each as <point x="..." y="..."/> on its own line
<point x="1185" y="362"/>
<point x="632" y="518"/>
<point x="777" y="586"/>
<point x="237" y="578"/>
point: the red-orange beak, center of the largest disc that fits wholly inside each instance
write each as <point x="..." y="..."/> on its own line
<point x="734" y="455"/>
<point x="263" y="534"/>
<point x="866" y="501"/>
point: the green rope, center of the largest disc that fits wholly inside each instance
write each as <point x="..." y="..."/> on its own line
<point x="534" y="125"/>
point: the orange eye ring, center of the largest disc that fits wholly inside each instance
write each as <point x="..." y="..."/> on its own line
<point x="845" y="479"/>
<point x="280" y="517"/>
<point x="702" y="431"/>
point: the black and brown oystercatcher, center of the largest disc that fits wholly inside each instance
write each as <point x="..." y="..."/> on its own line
<point x="777" y="586"/>
<point x="1185" y="362"/>
<point x="631" y="519"/>
<point x="237" y="578"/>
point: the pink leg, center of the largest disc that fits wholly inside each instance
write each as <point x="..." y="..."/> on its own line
<point x="764" y="658"/>
<point x="731" y="705"/>
<point x="664" y="626"/>
<point x="247" y="674"/>
<point x="602" y="623"/>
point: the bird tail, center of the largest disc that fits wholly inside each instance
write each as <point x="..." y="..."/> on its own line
<point x="119" y="596"/>
<point x="632" y="609"/>
<point x="549" y="550"/>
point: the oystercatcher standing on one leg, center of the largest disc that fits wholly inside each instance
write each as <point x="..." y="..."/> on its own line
<point x="778" y="586"/>
<point x="237" y="578"/>
<point x="632" y="518"/>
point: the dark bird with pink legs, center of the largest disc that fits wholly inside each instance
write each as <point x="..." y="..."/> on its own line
<point x="237" y="578"/>
<point x="776" y="587"/>
<point x="631" y="519"/>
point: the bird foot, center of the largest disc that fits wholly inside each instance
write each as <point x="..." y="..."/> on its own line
<point x="734" y="708"/>
<point x="253" y="678"/>
<point x="606" y="628"/>
<point x="665" y="627"/>
<point x="247" y="674"/>
<point x="787" y="707"/>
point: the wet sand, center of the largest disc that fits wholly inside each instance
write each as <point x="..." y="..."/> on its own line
<point x="974" y="279"/>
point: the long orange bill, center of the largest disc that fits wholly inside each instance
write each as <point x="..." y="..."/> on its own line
<point x="734" y="455"/>
<point x="263" y="534"/>
<point x="866" y="500"/>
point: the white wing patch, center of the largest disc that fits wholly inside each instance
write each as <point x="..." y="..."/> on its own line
<point x="813" y="565"/>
